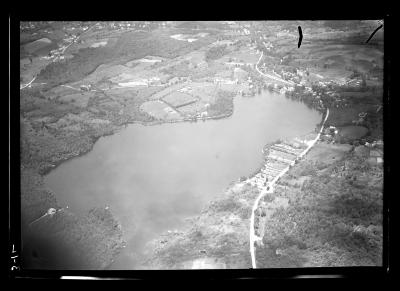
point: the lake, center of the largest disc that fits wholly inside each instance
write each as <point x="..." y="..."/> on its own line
<point x="154" y="177"/>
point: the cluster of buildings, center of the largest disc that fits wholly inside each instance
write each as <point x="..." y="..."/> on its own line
<point x="33" y="24"/>
<point x="121" y="25"/>
<point x="58" y="54"/>
<point x="26" y="25"/>
<point x="238" y="64"/>
<point x="278" y="157"/>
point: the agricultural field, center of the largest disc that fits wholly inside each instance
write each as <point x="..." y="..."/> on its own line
<point x="160" y="110"/>
<point x="179" y="99"/>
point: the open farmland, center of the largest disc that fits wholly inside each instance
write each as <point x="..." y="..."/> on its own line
<point x="160" y="110"/>
<point x="179" y="99"/>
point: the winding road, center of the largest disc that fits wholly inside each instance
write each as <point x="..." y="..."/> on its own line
<point x="26" y="85"/>
<point x="269" y="189"/>
<point x="271" y="76"/>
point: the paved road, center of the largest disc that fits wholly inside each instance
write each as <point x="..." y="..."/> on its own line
<point x="263" y="190"/>
<point x="67" y="86"/>
<point x="271" y="76"/>
<point x="26" y="85"/>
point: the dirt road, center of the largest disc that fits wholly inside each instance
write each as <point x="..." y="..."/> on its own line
<point x="269" y="189"/>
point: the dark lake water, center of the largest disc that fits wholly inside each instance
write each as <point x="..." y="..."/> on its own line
<point x="153" y="177"/>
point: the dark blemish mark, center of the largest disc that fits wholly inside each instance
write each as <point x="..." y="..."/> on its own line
<point x="300" y="36"/>
<point x="374" y="33"/>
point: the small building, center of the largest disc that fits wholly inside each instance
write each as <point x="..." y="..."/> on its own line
<point x="86" y="87"/>
<point x="155" y="81"/>
<point x="204" y="114"/>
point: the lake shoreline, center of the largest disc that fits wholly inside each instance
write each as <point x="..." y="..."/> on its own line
<point x="168" y="239"/>
<point x="215" y="223"/>
<point x="43" y="201"/>
<point x="248" y="101"/>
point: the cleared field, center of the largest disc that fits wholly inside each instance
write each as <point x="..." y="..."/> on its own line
<point x="204" y="90"/>
<point x="136" y="94"/>
<point x="122" y="94"/>
<point x="36" y="45"/>
<point x="193" y="109"/>
<point x="328" y="153"/>
<point x="98" y="44"/>
<point x="105" y="72"/>
<point x="159" y="110"/>
<point x="89" y="42"/>
<point x="59" y="91"/>
<point x="166" y="91"/>
<point x="124" y="77"/>
<point x="179" y="99"/>
<point x="195" y="57"/>
<point x="183" y="37"/>
<point x="146" y="61"/>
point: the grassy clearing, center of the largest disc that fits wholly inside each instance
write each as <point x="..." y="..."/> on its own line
<point x="353" y="132"/>
<point x="160" y="110"/>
